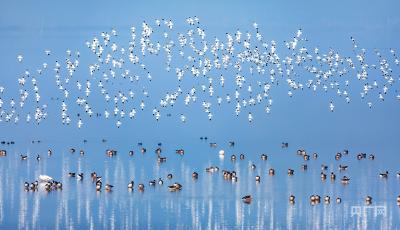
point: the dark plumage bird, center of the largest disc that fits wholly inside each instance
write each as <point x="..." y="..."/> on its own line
<point x="109" y="187"/>
<point x="131" y="184"/>
<point x="80" y="176"/>
<point x="247" y="199"/>
<point x="384" y="175"/>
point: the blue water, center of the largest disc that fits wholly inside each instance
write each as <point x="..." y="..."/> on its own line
<point x="304" y="121"/>
<point x="209" y="202"/>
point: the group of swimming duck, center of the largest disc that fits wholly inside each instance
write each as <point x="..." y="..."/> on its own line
<point x="50" y="184"/>
<point x="315" y="198"/>
<point x="108" y="187"/>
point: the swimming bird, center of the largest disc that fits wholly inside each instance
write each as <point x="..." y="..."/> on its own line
<point x="315" y="199"/>
<point x="111" y="152"/>
<point x="211" y="169"/>
<point x="271" y="172"/>
<point x="58" y="185"/>
<point x="93" y="175"/>
<point x="141" y="187"/>
<point x="361" y="156"/>
<point x="291" y="199"/>
<point x="327" y="199"/>
<point x="343" y="167"/>
<point x="47" y="186"/>
<point x="45" y="178"/>
<point x="158" y="151"/>
<point x="180" y="151"/>
<point x="333" y="176"/>
<point x="161" y="159"/>
<point x="323" y="176"/>
<point x="34" y="185"/>
<point x="80" y="176"/>
<point x="368" y="200"/>
<point x="98" y="185"/>
<point x="175" y="187"/>
<point x="109" y="187"/>
<point x="345" y="180"/>
<point x="247" y="199"/>
<point x="384" y="175"/>
<point x="131" y="184"/>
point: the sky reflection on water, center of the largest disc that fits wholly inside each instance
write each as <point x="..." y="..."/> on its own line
<point x="209" y="202"/>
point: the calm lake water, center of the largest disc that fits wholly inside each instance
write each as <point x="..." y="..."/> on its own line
<point x="210" y="202"/>
<point x="205" y="203"/>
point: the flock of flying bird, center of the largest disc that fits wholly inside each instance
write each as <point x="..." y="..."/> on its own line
<point x="241" y="68"/>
